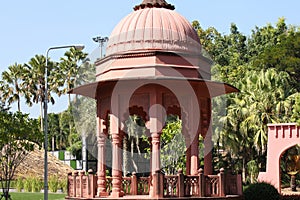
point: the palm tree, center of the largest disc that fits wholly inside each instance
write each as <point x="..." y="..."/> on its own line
<point x="268" y="92"/>
<point x="69" y="70"/>
<point x="12" y="85"/>
<point x="262" y="100"/>
<point x="35" y="81"/>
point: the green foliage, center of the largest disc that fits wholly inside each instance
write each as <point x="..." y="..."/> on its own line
<point x="37" y="184"/>
<point x="295" y="100"/>
<point x="265" y="67"/>
<point x="253" y="170"/>
<point x="69" y="73"/>
<point x="34" y="80"/>
<point x="290" y="197"/>
<point x="264" y="98"/>
<point x="172" y="146"/>
<point x="54" y="134"/>
<point x="28" y="184"/>
<point x="16" y="133"/>
<point x="68" y="129"/>
<point x="19" y="184"/>
<point x="135" y="129"/>
<point x="261" y="191"/>
<point x="63" y="184"/>
<point x="53" y="183"/>
<point x="12" y="87"/>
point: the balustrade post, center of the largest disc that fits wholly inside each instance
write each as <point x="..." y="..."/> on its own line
<point x="81" y="173"/>
<point x="180" y="183"/>
<point x="75" y="174"/>
<point x="158" y="185"/>
<point x="69" y="185"/>
<point x="101" y="182"/>
<point x="134" y="184"/>
<point x="201" y="183"/>
<point x="222" y="183"/>
<point x="92" y="184"/>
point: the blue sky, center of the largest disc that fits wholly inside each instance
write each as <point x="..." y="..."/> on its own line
<point x="30" y="27"/>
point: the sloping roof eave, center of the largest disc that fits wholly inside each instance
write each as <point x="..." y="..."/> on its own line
<point x="213" y="88"/>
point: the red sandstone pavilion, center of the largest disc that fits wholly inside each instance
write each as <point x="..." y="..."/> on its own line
<point x="154" y="67"/>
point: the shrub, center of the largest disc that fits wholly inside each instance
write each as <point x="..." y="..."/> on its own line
<point x="19" y="184"/>
<point x="53" y="183"/>
<point x="37" y="184"/>
<point x="261" y="191"/>
<point x="290" y="197"/>
<point x="12" y="184"/>
<point x="28" y="184"/>
<point x="63" y="184"/>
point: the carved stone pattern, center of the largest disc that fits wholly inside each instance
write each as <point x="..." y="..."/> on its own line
<point x="212" y="183"/>
<point x="170" y="186"/>
<point x="191" y="184"/>
<point x="126" y="182"/>
<point x="143" y="185"/>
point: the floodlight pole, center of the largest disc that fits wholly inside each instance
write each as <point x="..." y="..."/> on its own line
<point x="78" y="47"/>
<point x="101" y="41"/>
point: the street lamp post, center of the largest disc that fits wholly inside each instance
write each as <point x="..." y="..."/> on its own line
<point x="78" y="47"/>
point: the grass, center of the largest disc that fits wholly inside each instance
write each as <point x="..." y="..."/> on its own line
<point x="35" y="196"/>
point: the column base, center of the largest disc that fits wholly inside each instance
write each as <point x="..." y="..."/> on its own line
<point x="116" y="194"/>
<point x="102" y="194"/>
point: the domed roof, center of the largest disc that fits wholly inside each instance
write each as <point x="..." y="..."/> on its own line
<point x="154" y="26"/>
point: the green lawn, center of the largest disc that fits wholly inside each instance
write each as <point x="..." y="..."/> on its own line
<point x="35" y="196"/>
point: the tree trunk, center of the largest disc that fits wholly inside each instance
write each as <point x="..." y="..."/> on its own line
<point x="42" y="118"/>
<point x="53" y="144"/>
<point x="84" y="153"/>
<point x="293" y="183"/>
<point x="125" y="155"/>
<point x="244" y="170"/>
<point x="19" y="105"/>
<point x="69" y="100"/>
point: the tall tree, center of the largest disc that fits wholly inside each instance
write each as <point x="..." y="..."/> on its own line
<point x="12" y="86"/>
<point x="35" y="81"/>
<point x="284" y="56"/>
<point x="17" y="131"/>
<point x="54" y="132"/>
<point x="267" y="36"/>
<point x="69" y="71"/>
<point x="262" y="100"/>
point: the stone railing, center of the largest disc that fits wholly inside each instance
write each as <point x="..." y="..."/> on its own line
<point x="81" y="185"/>
<point x="131" y="185"/>
<point x="196" y="186"/>
<point x="84" y="186"/>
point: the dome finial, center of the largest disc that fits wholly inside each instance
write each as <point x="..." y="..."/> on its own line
<point x="154" y="4"/>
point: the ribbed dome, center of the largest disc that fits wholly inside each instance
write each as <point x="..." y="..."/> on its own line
<point x="154" y="28"/>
